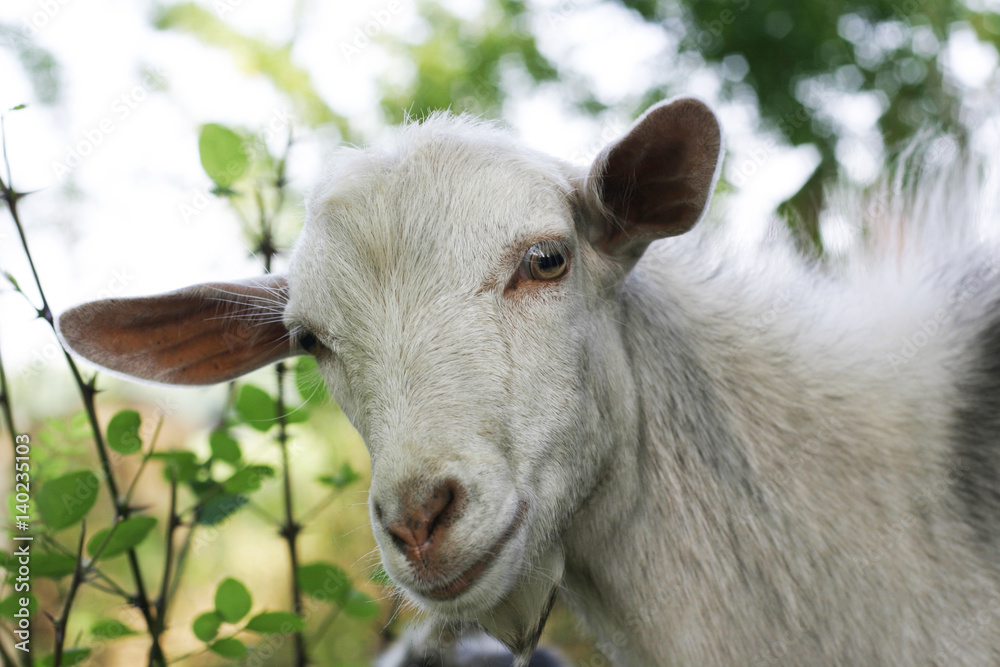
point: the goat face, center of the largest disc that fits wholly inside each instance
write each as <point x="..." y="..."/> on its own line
<point x="444" y="291"/>
<point x="458" y="293"/>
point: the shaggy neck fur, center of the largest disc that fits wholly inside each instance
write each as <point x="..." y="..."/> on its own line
<point x="798" y="466"/>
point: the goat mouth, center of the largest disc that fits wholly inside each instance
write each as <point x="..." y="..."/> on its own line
<point x="462" y="582"/>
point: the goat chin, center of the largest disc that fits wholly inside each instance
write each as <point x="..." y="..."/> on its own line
<point x="518" y="620"/>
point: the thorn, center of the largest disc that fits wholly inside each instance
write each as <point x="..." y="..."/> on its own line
<point x="290" y="531"/>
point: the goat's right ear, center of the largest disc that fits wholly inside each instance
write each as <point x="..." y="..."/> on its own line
<point x="195" y="336"/>
<point x="655" y="181"/>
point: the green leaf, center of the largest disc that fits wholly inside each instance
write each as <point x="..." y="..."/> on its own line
<point x="123" y="432"/>
<point x="64" y="501"/>
<point x="298" y="415"/>
<point x="232" y="600"/>
<point x="341" y="478"/>
<point x="323" y="581"/>
<point x="127" y="535"/>
<point x="12" y="280"/>
<point x="206" y="626"/>
<point x="182" y="464"/>
<point x="229" y="648"/>
<point x="54" y="565"/>
<point x="18" y="107"/>
<point x="108" y="628"/>
<point x="309" y="382"/>
<point x="256" y="408"/>
<point x="247" y="479"/>
<point x="276" y="622"/>
<point x="11" y="605"/>
<point x="360" y="605"/>
<point x="224" y="446"/>
<point x="70" y="656"/>
<point x="218" y="508"/>
<point x="223" y="155"/>
<point x="379" y="577"/>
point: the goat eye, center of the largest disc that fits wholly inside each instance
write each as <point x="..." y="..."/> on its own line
<point x="307" y="341"/>
<point x="545" y="261"/>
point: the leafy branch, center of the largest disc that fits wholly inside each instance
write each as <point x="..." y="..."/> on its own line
<point x="88" y="391"/>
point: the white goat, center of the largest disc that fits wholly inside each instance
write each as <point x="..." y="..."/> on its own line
<point x="718" y="455"/>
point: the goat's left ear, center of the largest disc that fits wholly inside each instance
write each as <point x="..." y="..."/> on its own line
<point x="195" y="336"/>
<point x="655" y="181"/>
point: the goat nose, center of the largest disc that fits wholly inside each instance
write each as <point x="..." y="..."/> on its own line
<point x="425" y="518"/>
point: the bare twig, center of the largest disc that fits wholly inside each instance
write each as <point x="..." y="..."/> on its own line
<point x="87" y="392"/>
<point x="5" y="403"/>
<point x="181" y="560"/>
<point x="290" y="529"/>
<point x="174" y="521"/>
<point x="74" y="585"/>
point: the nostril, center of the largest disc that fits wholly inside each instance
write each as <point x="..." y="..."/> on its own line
<point x="438" y="506"/>
<point x="377" y="509"/>
<point x="400" y="542"/>
<point x="424" y="517"/>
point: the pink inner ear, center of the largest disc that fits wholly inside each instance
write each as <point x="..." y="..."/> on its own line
<point x="656" y="181"/>
<point x="195" y="336"/>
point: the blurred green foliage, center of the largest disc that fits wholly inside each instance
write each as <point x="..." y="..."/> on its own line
<point x="885" y="46"/>
<point x="787" y="59"/>
<point x="796" y="55"/>
<point x="460" y="65"/>
<point x="39" y="64"/>
<point x="255" y="56"/>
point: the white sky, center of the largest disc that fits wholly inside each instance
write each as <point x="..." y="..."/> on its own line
<point x="123" y="233"/>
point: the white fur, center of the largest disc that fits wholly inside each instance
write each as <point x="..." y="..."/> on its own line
<point x="723" y="459"/>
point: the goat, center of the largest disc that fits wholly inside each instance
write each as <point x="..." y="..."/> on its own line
<point x="717" y="454"/>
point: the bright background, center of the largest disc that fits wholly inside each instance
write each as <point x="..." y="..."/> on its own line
<point x="121" y="206"/>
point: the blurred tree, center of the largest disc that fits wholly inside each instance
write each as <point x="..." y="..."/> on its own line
<point x="461" y="64"/>
<point x="796" y="56"/>
<point x="255" y="57"/>
<point x="42" y="69"/>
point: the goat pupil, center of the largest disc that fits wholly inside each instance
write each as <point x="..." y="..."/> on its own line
<point x="545" y="261"/>
<point x="308" y="342"/>
<point x="549" y="262"/>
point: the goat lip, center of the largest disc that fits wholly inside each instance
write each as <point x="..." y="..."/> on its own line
<point x="462" y="582"/>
